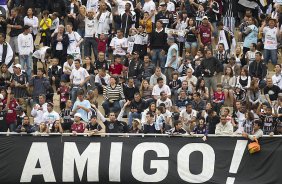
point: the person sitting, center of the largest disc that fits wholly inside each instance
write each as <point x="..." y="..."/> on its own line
<point x="177" y="129"/>
<point x="25" y="126"/>
<point x="224" y="127"/>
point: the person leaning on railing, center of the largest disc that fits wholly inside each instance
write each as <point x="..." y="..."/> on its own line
<point x="257" y="131"/>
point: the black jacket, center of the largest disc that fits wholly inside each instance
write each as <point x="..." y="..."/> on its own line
<point x="140" y="106"/>
<point x="258" y="69"/>
<point x="159" y="40"/>
<point x="211" y="64"/>
<point x="166" y="17"/>
<point x="65" y="43"/>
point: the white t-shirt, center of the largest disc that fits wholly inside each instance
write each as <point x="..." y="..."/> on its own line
<point x="188" y="117"/>
<point x="89" y="27"/>
<point x="277" y="80"/>
<point x="118" y="44"/>
<point x="270" y="38"/>
<point x="68" y="67"/>
<point x="170" y="7"/>
<point x="121" y="5"/>
<point x="50" y="118"/>
<point x="74" y="38"/>
<point x="167" y="103"/>
<point x="156" y="90"/>
<point x="78" y="76"/>
<point x="149" y="7"/>
<point x="92" y="5"/>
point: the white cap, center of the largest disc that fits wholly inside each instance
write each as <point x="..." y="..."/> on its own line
<point x="18" y="66"/>
<point x="205" y="17"/>
<point x="77" y="115"/>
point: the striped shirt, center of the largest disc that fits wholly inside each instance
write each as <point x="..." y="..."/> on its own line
<point x="113" y="93"/>
<point x="22" y="80"/>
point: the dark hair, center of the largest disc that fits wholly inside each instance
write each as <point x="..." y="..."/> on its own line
<point x="231" y="73"/>
<point x="159" y="79"/>
<point x="197" y="93"/>
<point x="40" y="69"/>
<point x="161" y="109"/>
<point x="258" y="122"/>
<point x="78" y="60"/>
<point x="259" y="53"/>
<point x="80" y="92"/>
<point x="254" y="45"/>
<point x="177" y="122"/>
<point x="198" y="85"/>
<point x="161" y="22"/>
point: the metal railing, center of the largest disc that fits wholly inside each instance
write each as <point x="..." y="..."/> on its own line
<point x="122" y="134"/>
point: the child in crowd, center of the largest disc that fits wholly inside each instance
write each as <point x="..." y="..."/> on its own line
<point x="102" y="43"/>
<point x="147" y="23"/>
<point x="64" y="92"/>
<point x="218" y="98"/>
<point x="269" y="121"/>
<point x="55" y="73"/>
<point x="66" y="115"/>
<point x="174" y="85"/>
<point x="116" y="68"/>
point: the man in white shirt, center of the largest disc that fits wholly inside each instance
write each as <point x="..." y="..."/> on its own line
<point x="50" y="116"/>
<point x="224" y="127"/>
<point x="25" y="44"/>
<point x="102" y="79"/>
<point x="68" y="68"/>
<point x="74" y="42"/>
<point x="277" y="77"/>
<point x="191" y="79"/>
<point x="89" y="38"/>
<point x="158" y="88"/>
<point x="165" y="100"/>
<point x="188" y="117"/>
<point x="103" y="20"/>
<point x="79" y="77"/>
<point x="6" y="53"/>
<point x="158" y="73"/>
<point x="270" y="33"/>
<point x="38" y="110"/>
<point x="119" y="44"/>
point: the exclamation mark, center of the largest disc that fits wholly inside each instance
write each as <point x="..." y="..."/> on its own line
<point x="236" y="159"/>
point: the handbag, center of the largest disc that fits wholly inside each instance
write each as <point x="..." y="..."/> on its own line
<point x="254" y="147"/>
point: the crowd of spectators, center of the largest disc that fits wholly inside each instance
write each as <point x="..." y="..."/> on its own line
<point x="161" y="66"/>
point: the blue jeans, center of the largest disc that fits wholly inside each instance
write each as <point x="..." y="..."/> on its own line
<point x="12" y="127"/>
<point x="74" y="94"/>
<point x="133" y="115"/>
<point x="26" y="60"/>
<point x="115" y="106"/>
<point x="270" y="55"/>
<point x="158" y="56"/>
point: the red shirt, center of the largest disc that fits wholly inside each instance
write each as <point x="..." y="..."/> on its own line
<point x="205" y="33"/>
<point x="79" y="128"/>
<point x="218" y="96"/>
<point x="11" y="114"/>
<point x="102" y="44"/>
<point x="64" y="91"/>
<point x="116" y="68"/>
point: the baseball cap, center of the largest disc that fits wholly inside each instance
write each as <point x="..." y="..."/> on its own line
<point x="18" y="66"/>
<point x="205" y="17"/>
<point x="162" y="3"/>
<point x="77" y="115"/>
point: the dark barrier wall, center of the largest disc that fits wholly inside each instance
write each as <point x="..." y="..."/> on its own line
<point x="138" y="160"/>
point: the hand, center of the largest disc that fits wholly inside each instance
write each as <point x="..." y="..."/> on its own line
<point x="23" y="129"/>
<point x="271" y="134"/>
<point x="78" y="107"/>
<point x="163" y="52"/>
<point x="111" y="101"/>
<point x="244" y="134"/>
<point x="74" y="132"/>
<point x="201" y="44"/>
<point x="204" y="138"/>
<point x="53" y="78"/>
<point x="81" y="84"/>
<point x="192" y="133"/>
<point x="127" y="103"/>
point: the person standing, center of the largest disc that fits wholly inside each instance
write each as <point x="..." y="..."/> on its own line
<point x="81" y="106"/>
<point x="25" y="44"/>
<point x="205" y="33"/>
<point x="103" y="20"/>
<point x="74" y="42"/>
<point x="89" y="38"/>
<point x="172" y="58"/>
<point x="158" y="45"/>
<point x="15" y="23"/>
<point x="10" y="104"/>
<point x="19" y="82"/>
<point x="271" y="35"/>
<point x="79" y="77"/>
<point x="6" y="53"/>
<point x="31" y="21"/>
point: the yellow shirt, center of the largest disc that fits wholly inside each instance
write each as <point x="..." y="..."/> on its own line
<point x="45" y="26"/>
<point x="148" y="25"/>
